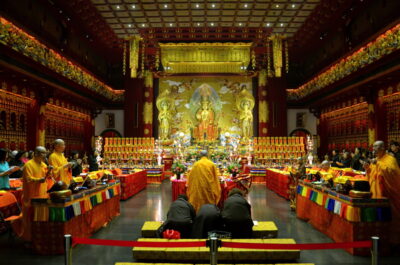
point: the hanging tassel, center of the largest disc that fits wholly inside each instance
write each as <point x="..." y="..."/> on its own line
<point x="287" y="56"/>
<point x="124" y="58"/>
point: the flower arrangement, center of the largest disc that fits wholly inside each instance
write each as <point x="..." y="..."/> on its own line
<point x="178" y="168"/>
<point x="234" y="168"/>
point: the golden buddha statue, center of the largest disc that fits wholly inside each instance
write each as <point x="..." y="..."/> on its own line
<point x="205" y="116"/>
<point x="245" y="105"/>
<point x="165" y="106"/>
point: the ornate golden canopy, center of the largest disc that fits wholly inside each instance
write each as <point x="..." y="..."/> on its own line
<point x="205" y="57"/>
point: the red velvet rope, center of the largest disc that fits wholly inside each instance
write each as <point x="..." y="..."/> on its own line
<point x="312" y="246"/>
<point x="121" y="243"/>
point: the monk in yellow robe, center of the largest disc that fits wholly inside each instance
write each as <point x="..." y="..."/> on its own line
<point x="203" y="183"/>
<point x="384" y="179"/>
<point x="61" y="168"/>
<point x="35" y="185"/>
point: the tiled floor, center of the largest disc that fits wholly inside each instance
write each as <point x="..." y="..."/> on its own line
<point x="153" y="203"/>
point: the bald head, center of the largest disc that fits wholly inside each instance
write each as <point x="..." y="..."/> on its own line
<point x="379" y="148"/>
<point x="325" y="164"/>
<point x="203" y="153"/>
<point x="59" y="145"/>
<point x="39" y="154"/>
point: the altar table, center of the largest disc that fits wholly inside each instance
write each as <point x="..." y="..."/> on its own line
<point x="132" y="183"/>
<point x="342" y="218"/>
<point x="278" y="181"/>
<point x="81" y="215"/>
<point x="179" y="187"/>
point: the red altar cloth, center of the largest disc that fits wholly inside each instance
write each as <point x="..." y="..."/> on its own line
<point x="339" y="229"/>
<point x="278" y="181"/>
<point x="132" y="183"/>
<point x="179" y="187"/>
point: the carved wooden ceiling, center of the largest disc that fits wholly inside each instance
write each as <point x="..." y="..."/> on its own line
<point x="194" y="20"/>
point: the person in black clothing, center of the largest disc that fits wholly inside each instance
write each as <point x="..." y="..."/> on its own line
<point x="345" y="162"/>
<point x="207" y="219"/>
<point x="335" y="158"/>
<point x="236" y="215"/>
<point x="17" y="161"/>
<point x="355" y="161"/>
<point x="395" y="151"/>
<point x="180" y="217"/>
<point x="92" y="160"/>
<point x="77" y="163"/>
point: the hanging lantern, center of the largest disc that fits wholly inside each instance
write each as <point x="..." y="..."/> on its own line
<point x="277" y="53"/>
<point x="124" y="58"/>
<point x="286" y="56"/>
<point x="134" y="55"/>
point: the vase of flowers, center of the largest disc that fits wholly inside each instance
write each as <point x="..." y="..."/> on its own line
<point x="178" y="169"/>
<point x="234" y="169"/>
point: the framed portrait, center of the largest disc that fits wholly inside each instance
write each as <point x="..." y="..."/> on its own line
<point x="110" y="120"/>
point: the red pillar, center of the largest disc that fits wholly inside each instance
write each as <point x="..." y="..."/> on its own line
<point x="36" y="124"/>
<point x="133" y="107"/>
<point x="148" y="105"/>
<point x="276" y="98"/>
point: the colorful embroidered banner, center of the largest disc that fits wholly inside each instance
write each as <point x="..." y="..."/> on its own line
<point x="346" y="211"/>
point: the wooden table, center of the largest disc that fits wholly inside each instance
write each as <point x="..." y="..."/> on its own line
<point x="132" y="183"/>
<point x="278" y="181"/>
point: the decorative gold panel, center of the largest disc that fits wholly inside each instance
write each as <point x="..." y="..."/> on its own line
<point x="205" y="57"/>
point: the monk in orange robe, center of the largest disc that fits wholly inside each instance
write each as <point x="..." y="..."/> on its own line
<point x="384" y="179"/>
<point x="61" y="168"/>
<point x="203" y="183"/>
<point x="35" y="185"/>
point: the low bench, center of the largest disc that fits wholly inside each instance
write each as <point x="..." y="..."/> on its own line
<point x="261" y="230"/>
<point x="202" y="254"/>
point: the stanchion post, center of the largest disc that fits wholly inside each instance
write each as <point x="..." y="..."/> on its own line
<point x="213" y="243"/>
<point x="374" y="251"/>
<point x="68" y="249"/>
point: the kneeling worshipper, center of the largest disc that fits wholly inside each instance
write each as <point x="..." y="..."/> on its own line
<point x="208" y="219"/>
<point x="35" y="184"/>
<point x="203" y="183"/>
<point x="180" y="217"/>
<point x="384" y="179"/>
<point x="236" y="215"/>
<point x="61" y="167"/>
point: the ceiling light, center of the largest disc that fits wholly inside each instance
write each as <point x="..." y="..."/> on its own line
<point x="197" y="5"/>
<point x="133" y="6"/>
<point x="245" y="5"/>
<point x="170" y="24"/>
<point x="281" y="24"/>
<point x="143" y="25"/>
<point x="166" y="6"/>
<point x="268" y="24"/>
<point x="293" y="6"/>
<point x="240" y="24"/>
<point x="277" y="6"/>
<point x="212" y="24"/>
<point x="198" y="24"/>
<point x="213" y="5"/>
<point x="130" y="25"/>
<point x="118" y="7"/>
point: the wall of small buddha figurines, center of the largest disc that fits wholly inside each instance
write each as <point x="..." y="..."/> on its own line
<point x="67" y="124"/>
<point x="347" y="127"/>
<point x="389" y="98"/>
<point x="14" y="105"/>
<point x="20" y="117"/>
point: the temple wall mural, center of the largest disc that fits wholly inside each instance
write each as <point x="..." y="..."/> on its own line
<point x="205" y="107"/>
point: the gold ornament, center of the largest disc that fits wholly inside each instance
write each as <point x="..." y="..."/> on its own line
<point x="262" y="78"/>
<point x="134" y="55"/>
<point x="263" y="111"/>
<point x="124" y="58"/>
<point x="286" y="56"/>
<point x="148" y="113"/>
<point x="277" y="53"/>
